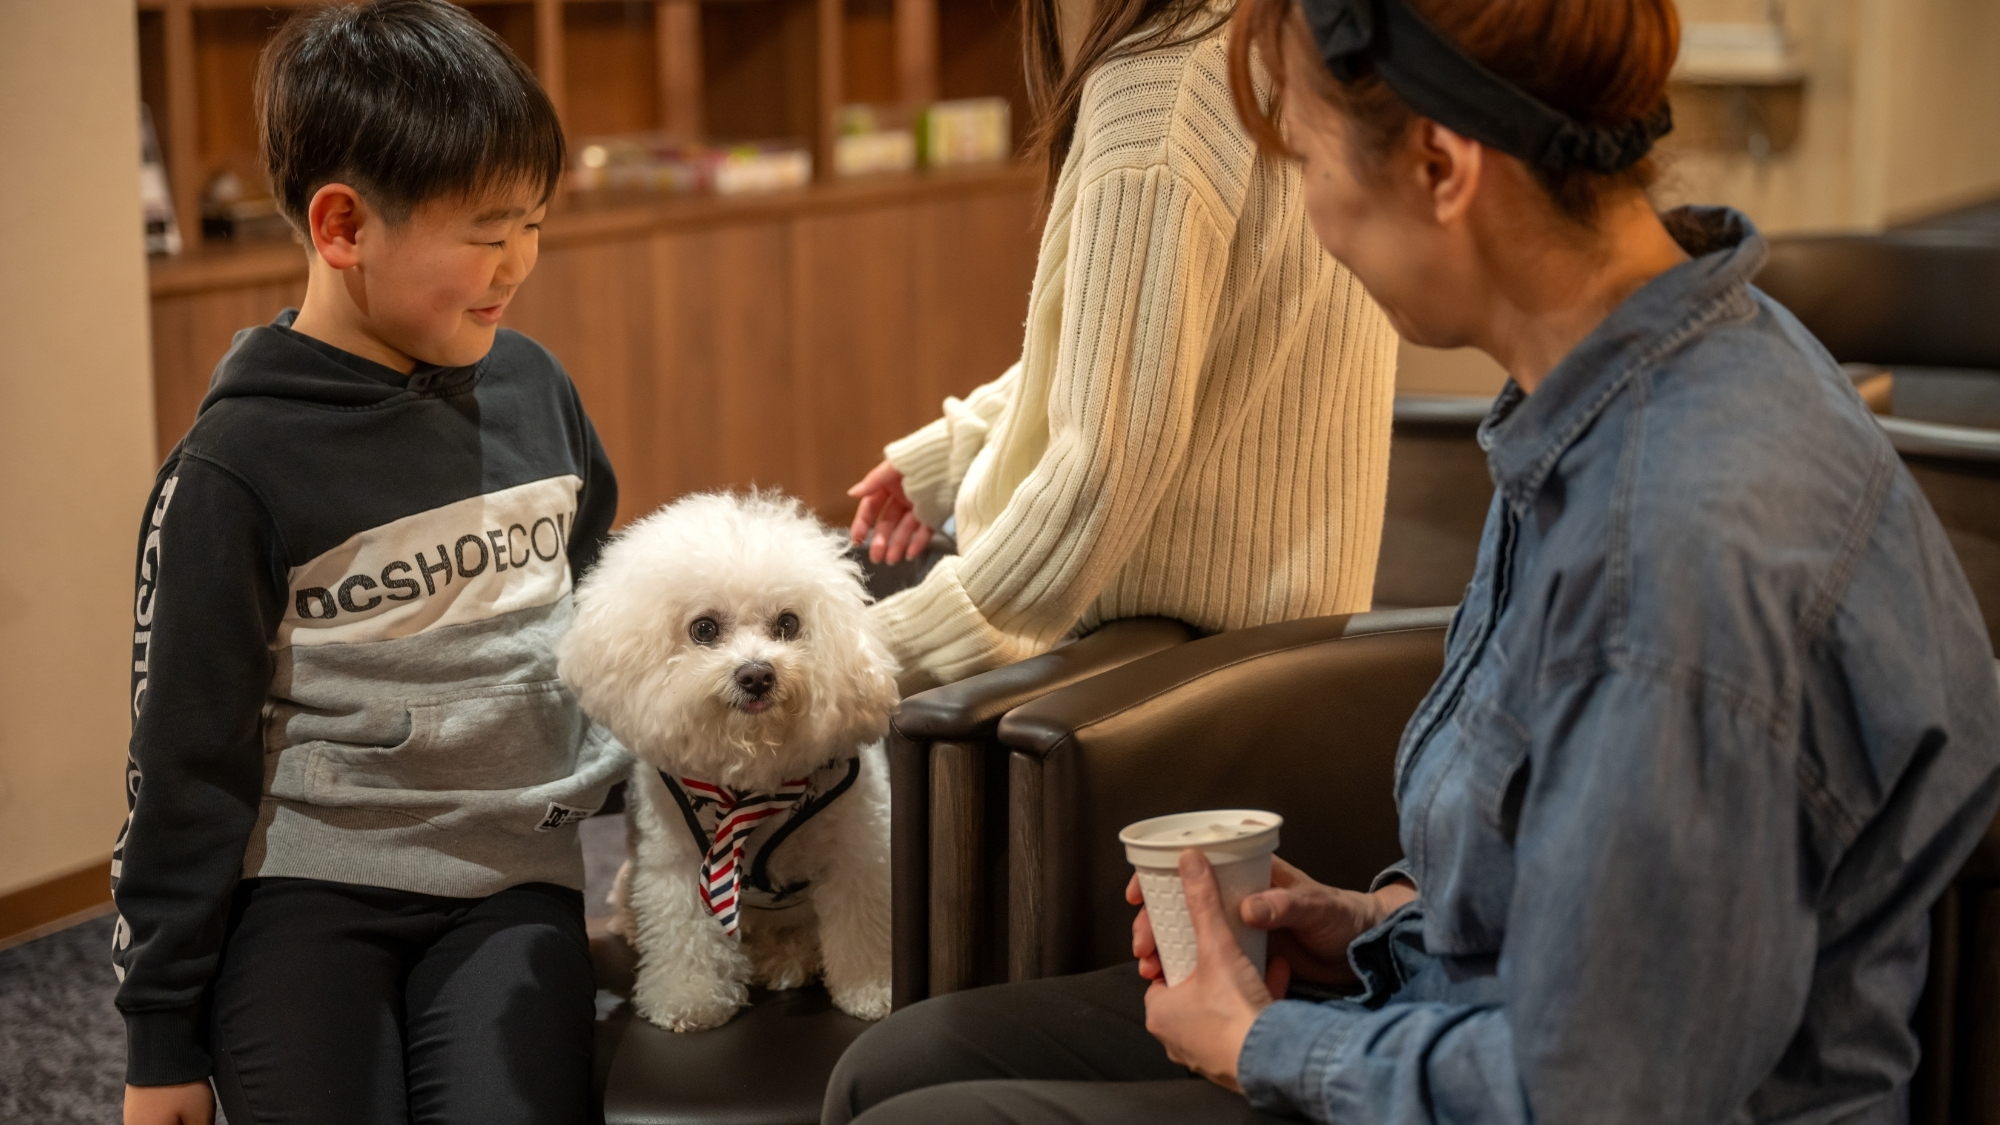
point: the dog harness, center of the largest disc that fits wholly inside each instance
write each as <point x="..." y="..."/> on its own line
<point x="723" y="820"/>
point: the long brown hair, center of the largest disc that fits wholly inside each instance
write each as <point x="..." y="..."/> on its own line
<point x="1603" y="62"/>
<point x="1055" y="91"/>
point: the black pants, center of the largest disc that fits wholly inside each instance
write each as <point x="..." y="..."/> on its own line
<point x="1069" y="1049"/>
<point x="358" y="1005"/>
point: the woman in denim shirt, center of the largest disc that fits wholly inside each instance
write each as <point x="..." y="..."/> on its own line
<point x="1719" y="719"/>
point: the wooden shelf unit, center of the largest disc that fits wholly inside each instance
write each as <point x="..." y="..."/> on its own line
<point x="771" y="339"/>
<point x="700" y="69"/>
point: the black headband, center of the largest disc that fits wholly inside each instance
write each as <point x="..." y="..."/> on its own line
<point x="1443" y="83"/>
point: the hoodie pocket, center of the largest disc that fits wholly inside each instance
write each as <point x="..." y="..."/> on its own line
<point x="478" y="741"/>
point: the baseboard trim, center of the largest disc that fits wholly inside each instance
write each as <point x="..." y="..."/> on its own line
<point x="52" y="904"/>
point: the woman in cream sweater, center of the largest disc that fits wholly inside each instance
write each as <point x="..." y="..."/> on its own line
<point x="1198" y="426"/>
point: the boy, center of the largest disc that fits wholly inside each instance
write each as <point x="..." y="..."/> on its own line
<point x="348" y="886"/>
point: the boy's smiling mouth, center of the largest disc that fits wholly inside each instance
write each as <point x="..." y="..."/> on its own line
<point x="490" y="314"/>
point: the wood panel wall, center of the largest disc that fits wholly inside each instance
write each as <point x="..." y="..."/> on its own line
<point x="770" y="345"/>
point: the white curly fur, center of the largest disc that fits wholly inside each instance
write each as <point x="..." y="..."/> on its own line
<point x="742" y="561"/>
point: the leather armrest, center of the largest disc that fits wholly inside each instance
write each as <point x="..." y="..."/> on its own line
<point x="1301" y="718"/>
<point x="1038" y="727"/>
<point x="967" y="711"/>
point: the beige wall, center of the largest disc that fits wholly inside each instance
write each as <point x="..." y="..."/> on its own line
<point x="1811" y="182"/>
<point x="75" y="426"/>
<point x="1898" y="118"/>
<point x="1938" y="124"/>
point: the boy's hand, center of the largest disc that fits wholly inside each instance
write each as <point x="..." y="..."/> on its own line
<point x="886" y="512"/>
<point x="190" y="1103"/>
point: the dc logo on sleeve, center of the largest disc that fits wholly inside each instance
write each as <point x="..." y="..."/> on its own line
<point x="561" y="814"/>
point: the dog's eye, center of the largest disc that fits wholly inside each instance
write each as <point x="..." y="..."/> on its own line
<point x="705" y="630"/>
<point x="786" y="627"/>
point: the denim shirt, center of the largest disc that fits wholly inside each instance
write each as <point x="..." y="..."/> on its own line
<point x="1718" y="722"/>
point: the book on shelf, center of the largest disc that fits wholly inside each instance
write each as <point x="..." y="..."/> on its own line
<point x="662" y="163"/>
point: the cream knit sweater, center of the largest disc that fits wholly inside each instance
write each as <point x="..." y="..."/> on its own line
<point x="1198" y="426"/>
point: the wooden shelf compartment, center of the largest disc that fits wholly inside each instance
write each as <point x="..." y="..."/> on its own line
<point x="699" y="69"/>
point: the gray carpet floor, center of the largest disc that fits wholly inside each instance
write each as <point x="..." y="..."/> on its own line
<point x="62" y="1045"/>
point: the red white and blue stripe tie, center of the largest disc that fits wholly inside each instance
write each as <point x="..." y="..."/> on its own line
<point x="738" y="815"/>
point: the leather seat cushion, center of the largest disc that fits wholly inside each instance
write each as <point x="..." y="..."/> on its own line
<point x="768" y="1066"/>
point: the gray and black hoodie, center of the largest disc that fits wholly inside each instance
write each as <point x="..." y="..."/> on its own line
<point x="350" y="587"/>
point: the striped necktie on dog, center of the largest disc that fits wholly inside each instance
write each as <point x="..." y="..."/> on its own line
<point x="737" y="816"/>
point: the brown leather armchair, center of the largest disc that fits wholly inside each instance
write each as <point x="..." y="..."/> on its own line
<point x="1924" y="306"/>
<point x="1301" y="718"/>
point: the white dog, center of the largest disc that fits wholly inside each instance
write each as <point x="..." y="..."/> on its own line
<point x="726" y="641"/>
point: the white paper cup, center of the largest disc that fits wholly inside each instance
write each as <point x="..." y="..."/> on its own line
<point x="1242" y="867"/>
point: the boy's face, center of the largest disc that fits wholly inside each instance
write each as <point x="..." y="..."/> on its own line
<point x="435" y="285"/>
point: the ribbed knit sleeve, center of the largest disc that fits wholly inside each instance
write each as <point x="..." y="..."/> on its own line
<point x="1144" y="278"/>
<point x="934" y="460"/>
<point x="1198" y="427"/>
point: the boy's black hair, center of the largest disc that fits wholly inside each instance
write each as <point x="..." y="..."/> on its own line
<point x="404" y="100"/>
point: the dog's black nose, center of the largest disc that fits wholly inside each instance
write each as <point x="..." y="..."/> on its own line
<point x="756" y="678"/>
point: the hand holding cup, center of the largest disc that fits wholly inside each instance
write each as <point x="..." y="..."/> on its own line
<point x="1203" y="1019"/>
<point x="1311" y="924"/>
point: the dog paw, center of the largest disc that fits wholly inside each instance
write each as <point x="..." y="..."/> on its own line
<point x="684" y="1000"/>
<point x="685" y="1013"/>
<point x="868" y="1001"/>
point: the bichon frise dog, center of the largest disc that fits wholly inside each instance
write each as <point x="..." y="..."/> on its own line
<point x="726" y="641"/>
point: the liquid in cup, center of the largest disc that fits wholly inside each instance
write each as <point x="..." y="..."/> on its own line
<point x="1238" y="843"/>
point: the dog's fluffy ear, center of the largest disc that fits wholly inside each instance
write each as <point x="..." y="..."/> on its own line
<point x="858" y="685"/>
<point x="621" y="652"/>
<point x="615" y="664"/>
<point x="860" y="691"/>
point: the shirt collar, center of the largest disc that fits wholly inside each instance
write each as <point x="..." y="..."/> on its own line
<point x="1524" y="435"/>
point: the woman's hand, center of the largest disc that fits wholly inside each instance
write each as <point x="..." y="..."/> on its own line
<point x="190" y="1103"/>
<point x="1312" y="924"/>
<point x="1203" y="1020"/>
<point x="886" y="511"/>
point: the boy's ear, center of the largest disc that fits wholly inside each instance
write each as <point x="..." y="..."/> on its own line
<point x="334" y="220"/>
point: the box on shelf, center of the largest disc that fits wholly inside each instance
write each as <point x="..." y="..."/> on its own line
<point x="869" y="140"/>
<point x="742" y="168"/>
<point x="656" y="162"/>
<point x="965" y="131"/>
